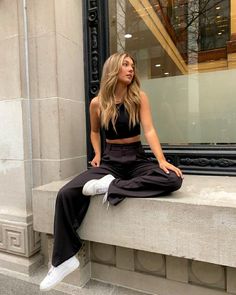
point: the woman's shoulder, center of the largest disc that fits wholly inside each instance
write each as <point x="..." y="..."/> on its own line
<point x="95" y="102"/>
<point x="143" y="96"/>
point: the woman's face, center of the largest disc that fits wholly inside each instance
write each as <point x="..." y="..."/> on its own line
<point x="126" y="72"/>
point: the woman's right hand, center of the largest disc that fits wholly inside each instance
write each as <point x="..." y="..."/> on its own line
<point x="96" y="161"/>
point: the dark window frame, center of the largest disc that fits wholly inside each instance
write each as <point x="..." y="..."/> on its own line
<point x="192" y="159"/>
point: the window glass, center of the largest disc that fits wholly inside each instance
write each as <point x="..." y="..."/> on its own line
<point x="186" y="64"/>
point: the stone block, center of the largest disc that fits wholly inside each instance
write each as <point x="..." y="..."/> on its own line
<point x="18" y="238"/>
<point x="177" y="269"/>
<point x="23" y="265"/>
<point x="44" y="210"/>
<point x="72" y="128"/>
<point x="35" y="127"/>
<point x="69" y="20"/>
<point x="125" y="258"/>
<point x="103" y="253"/>
<point x="73" y="166"/>
<point x="11" y="133"/>
<point x="41" y="17"/>
<point x="148" y="262"/>
<point x="70" y="69"/>
<point x="9" y="19"/>
<point x="42" y="66"/>
<point x="45" y="171"/>
<point x="200" y="220"/>
<point x="12" y="183"/>
<point x="147" y="283"/>
<point x="49" y="132"/>
<point x="10" y="69"/>
<point x="207" y="274"/>
<point x="231" y="280"/>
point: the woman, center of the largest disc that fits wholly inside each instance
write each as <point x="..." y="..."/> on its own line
<point x="123" y="170"/>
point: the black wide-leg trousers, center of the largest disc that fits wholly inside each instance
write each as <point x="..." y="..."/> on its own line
<point x="135" y="176"/>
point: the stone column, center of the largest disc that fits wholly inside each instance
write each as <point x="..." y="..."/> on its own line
<point x="42" y="113"/>
<point x="16" y="231"/>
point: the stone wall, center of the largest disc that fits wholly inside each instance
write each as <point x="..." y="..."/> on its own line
<point x="42" y="111"/>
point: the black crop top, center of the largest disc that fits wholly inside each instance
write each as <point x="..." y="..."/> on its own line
<point x="122" y="126"/>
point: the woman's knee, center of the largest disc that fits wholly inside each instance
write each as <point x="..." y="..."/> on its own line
<point x="64" y="193"/>
<point x="175" y="181"/>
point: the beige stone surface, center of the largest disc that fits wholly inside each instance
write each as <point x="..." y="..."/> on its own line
<point x="72" y="128"/>
<point x="11" y="132"/>
<point x="199" y="219"/>
<point x="125" y="258"/>
<point x="231" y="280"/>
<point x="70" y="69"/>
<point x="72" y="166"/>
<point x="68" y="19"/>
<point x="46" y="171"/>
<point x="49" y="131"/>
<point x="10" y="68"/>
<point x="207" y="274"/>
<point x="46" y="69"/>
<point x="20" y="264"/>
<point x="103" y="253"/>
<point x="177" y="269"/>
<point x="13" y="187"/>
<point x="147" y="283"/>
<point x="9" y="19"/>
<point x="149" y="262"/>
<point x="41" y="17"/>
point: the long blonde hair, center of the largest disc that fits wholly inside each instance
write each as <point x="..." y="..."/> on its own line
<point x="106" y="93"/>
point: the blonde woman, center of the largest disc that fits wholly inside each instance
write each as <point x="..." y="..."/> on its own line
<point x="123" y="170"/>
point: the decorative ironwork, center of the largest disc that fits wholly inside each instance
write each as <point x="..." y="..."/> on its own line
<point x="207" y="162"/>
<point x="217" y="160"/>
<point x="96" y="50"/>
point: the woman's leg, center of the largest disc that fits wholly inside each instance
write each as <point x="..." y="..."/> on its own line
<point x="146" y="179"/>
<point x="71" y="207"/>
<point x="70" y="210"/>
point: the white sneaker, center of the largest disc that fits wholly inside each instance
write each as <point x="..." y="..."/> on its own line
<point x="57" y="274"/>
<point x="97" y="186"/>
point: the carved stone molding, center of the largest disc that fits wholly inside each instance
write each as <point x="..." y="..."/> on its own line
<point x="150" y="262"/>
<point x="18" y="238"/>
<point x="103" y="253"/>
<point x="207" y="274"/>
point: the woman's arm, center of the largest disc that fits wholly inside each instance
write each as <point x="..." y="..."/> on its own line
<point x="152" y="137"/>
<point x="95" y="131"/>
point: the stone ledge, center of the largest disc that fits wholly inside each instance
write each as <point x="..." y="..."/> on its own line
<point x="197" y="222"/>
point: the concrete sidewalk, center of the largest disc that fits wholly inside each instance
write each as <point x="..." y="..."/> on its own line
<point x="12" y="283"/>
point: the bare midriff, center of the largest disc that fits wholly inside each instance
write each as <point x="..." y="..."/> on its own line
<point x="124" y="140"/>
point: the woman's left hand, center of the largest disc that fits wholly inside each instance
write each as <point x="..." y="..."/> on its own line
<point x="166" y="166"/>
